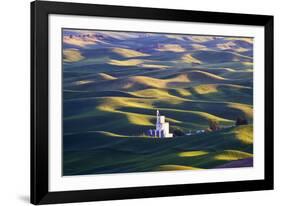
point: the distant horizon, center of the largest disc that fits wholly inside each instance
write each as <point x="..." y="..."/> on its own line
<point x="89" y="31"/>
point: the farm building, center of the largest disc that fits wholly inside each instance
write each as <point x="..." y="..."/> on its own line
<point x="162" y="128"/>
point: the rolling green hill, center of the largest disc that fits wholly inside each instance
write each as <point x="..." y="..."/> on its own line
<point x="114" y="153"/>
<point x="114" y="82"/>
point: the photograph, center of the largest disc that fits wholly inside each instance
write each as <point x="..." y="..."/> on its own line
<point x="154" y="102"/>
<point x="132" y="102"/>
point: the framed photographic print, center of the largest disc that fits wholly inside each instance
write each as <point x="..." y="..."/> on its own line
<point x="133" y="102"/>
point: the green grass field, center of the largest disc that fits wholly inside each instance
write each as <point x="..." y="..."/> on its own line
<point x="113" y="85"/>
<point x="102" y="152"/>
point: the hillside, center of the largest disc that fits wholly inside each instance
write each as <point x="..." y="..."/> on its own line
<point x="113" y="83"/>
<point x="130" y="154"/>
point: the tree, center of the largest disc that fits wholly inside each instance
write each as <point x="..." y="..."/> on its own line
<point x="241" y="121"/>
<point x="213" y="125"/>
<point x="178" y="133"/>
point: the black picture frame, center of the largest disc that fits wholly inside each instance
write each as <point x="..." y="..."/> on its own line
<point x="40" y="108"/>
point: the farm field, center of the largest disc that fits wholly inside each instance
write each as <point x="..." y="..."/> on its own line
<point x="114" y="82"/>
